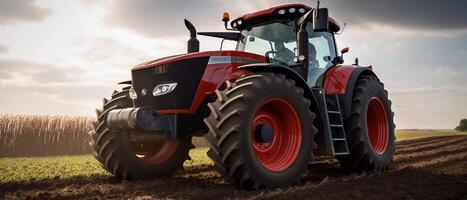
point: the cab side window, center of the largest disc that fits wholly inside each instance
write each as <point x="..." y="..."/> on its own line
<point x="321" y="52"/>
<point x="323" y="55"/>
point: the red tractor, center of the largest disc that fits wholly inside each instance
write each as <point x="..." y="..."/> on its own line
<point x="266" y="109"/>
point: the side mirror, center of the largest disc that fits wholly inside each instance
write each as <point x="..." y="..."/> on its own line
<point x="320" y="20"/>
<point x="340" y="59"/>
<point x="345" y="50"/>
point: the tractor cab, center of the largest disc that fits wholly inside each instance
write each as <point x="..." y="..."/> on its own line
<point x="274" y="33"/>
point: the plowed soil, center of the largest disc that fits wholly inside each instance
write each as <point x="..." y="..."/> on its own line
<point x="430" y="168"/>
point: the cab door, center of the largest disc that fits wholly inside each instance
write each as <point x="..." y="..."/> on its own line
<point x="321" y="53"/>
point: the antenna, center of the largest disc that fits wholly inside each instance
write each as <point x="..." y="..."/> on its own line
<point x="343" y="27"/>
<point x="317" y="8"/>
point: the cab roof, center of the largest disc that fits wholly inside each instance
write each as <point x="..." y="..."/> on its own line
<point x="272" y="13"/>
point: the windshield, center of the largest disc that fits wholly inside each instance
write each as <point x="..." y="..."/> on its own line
<point x="275" y="40"/>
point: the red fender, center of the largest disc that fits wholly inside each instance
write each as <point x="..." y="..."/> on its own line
<point x="337" y="78"/>
<point x="341" y="80"/>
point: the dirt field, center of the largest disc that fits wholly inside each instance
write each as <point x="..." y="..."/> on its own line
<point x="430" y="168"/>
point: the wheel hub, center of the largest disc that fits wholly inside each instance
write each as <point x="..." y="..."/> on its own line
<point x="155" y="152"/>
<point x="276" y="134"/>
<point x="377" y="125"/>
<point x="264" y="133"/>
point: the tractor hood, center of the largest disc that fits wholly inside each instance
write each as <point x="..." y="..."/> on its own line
<point x="236" y="55"/>
<point x="183" y="75"/>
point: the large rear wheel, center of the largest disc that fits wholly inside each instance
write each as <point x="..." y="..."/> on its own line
<point x="370" y="129"/>
<point x="128" y="159"/>
<point x="261" y="131"/>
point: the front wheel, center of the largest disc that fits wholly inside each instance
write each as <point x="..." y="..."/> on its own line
<point x="370" y="128"/>
<point x="127" y="159"/>
<point x="261" y="131"/>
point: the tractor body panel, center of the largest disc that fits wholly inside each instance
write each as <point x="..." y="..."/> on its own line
<point x="336" y="79"/>
<point x="271" y="14"/>
<point x="146" y="79"/>
<point x="270" y="11"/>
<point x="197" y="76"/>
<point x="341" y="80"/>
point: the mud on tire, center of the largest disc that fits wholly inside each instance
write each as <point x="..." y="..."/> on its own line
<point x="370" y="129"/>
<point x="117" y="155"/>
<point x="235" y="117"/>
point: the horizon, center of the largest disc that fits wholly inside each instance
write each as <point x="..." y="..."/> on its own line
<point x="92" y="117"/>
<point x="62" y="57"/>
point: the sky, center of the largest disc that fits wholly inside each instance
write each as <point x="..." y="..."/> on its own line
<point x="61" y="57"/>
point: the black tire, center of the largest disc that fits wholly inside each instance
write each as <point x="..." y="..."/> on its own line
<point x="118" y="157"/>
<point x="363" y="155"/>
<point x="230" y="130"/>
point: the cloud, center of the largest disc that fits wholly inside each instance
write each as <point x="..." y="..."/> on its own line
<point x="155" y="18"/>
<point x="106" y="49"/>
<point x="26" y="72"/>
<point x="165" y="18"/>
<point x="445" y="71"/>
<point x="432" y="15"/>
<point x="77" y="99"/>
<point x="122" y="54"/>
<point x="3" y="48"/>
<point x="69" y="92"/>
<point x="13" y="11"/>
<point x="401" y="17"/>
<point x="431" y="90"/>
<point x="418" y="14"/>
<point x="32" y="87"/>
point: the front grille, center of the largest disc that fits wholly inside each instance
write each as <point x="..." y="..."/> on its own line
<point x="186" y="73"/>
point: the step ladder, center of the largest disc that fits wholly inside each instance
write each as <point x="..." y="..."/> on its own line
<point x="333" y="139"/>
<point x="336" y="125"/>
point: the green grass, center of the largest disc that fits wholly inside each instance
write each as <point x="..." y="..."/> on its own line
<point x="198" y="157"/>
<point x="40" y="168"/>
<point x="62" y="167"/>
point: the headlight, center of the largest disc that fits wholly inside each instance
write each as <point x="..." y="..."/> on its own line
<point x="239" y="22"/>
<point x="132" y="93"/>
<point x="301" y="58"/>
<point x="301" y="10"/>
<point x="292" y="10"/>
<point x="281" y="12"/>
<point x="164" y="89"/>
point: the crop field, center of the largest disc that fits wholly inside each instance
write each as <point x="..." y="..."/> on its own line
<point x="64" y="167"/>
<point x="426" y="168"/>
<point x="35" y="135"/>
<point x="427" y="165"/>
<point x="402" y="135"/>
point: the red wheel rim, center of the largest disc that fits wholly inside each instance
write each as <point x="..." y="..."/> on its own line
<point x="377" y="125"/>
<point x="155" y="152"/>
<point x="281" y="151"/>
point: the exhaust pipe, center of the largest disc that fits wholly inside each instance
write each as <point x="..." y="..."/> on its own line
<point x="193" y="43"/>
<point x="141" y="124"/>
